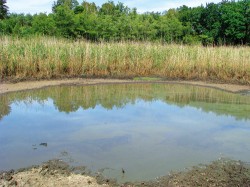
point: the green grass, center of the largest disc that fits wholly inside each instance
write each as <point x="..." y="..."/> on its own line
<point x="44" y="57"/>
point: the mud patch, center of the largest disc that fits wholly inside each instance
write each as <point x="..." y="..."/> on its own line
<point x="223" y="173"/>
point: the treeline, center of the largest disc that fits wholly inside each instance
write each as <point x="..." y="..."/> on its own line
<point x="225" y="23"/>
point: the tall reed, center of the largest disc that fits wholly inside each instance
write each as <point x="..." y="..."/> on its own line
<point x="43" y="57"/>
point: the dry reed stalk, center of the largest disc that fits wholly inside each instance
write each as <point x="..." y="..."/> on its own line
<point x="50" y="57"/>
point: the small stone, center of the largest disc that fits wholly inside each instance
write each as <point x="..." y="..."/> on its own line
<point x="13" y="183"/>
<point x="8" y="178"/>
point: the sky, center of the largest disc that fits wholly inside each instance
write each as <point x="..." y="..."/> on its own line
<point x="44" y="6"/>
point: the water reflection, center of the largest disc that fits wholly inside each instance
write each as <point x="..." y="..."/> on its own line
<point x="110" y="96"/>
<point x="147" y="129"/>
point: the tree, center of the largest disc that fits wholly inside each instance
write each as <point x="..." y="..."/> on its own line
<point x="245" y="6"/>
<point x="86" y="25"/>
<point x="171" y="29"/>
<point x="78" y="10"/>
<point x="89" y="7"/>
<point x="227" y="22"/>
<point x="18" y="24"/>
<point x="71" y="4"/>
<point x="44" y="24"/>
<point x="211" y="22"/>
<point x="3" y="9"/>
<point x="190" y="18"/>
<point x="65" y="21"/>
<point x="235" y="19"/>
<point x="108" y="8"/>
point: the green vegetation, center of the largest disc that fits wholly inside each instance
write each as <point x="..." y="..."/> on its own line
<point x="3" y="9"/>
<point x="83" y="40"/>
<point x="44" y="57"/>
<point x="224" y="23"/>
<point x="110" y="96"/>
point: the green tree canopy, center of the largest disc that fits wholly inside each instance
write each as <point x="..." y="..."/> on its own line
<point x="44" y="24"/>
<point x="71" y="4"/>
<point x="89" y="7"/>
<point x="224" y="23"/>
<point x="65" y="21"/>
<point x="3" y="9"/>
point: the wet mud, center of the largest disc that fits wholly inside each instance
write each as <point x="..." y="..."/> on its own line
<point x="223" y="173"/>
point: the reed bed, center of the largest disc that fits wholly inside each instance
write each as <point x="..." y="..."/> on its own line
<point x="43" y="58"/>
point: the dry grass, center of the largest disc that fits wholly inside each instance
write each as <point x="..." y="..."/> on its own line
<point x="50" y="58"/>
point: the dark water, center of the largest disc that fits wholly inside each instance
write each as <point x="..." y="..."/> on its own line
<point x="146" y="129"/>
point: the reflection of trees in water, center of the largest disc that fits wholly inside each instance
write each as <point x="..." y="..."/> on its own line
<point x="71" y="98"/>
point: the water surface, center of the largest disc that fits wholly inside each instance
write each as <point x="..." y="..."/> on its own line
<point x="146" y="129"/>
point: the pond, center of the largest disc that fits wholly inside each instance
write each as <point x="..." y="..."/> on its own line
<point x="147" y="130"/>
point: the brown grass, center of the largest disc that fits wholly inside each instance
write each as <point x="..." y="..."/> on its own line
<point x="39" y="58"/>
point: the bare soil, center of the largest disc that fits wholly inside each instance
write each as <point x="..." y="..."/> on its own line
<point x="50" y="174"/>
<point x="220" y="173"/>
<point x="6" y="87"/>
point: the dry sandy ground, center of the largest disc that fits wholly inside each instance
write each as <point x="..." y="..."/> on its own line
<point x="34" y="178"/>
<point x="12" y="87"/>
<point x="52" y="173"/>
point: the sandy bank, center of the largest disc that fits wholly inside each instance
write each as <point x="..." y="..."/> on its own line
<point x="49" y="174"/>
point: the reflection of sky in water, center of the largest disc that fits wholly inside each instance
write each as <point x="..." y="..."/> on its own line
<point x="147" y="139"/>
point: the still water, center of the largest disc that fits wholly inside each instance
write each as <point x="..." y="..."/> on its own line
<point x="146" y="129"/>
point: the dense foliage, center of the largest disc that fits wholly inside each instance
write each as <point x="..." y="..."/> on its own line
<point x="227" y="22"/>
<point x="3" y="9"/>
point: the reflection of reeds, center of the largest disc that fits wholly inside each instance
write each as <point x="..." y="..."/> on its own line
<point x="71" y="98"/>
<point x="48" y="57"/>
<point x="4" y="106"/>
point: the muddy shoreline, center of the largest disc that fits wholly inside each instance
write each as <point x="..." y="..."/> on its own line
<point x="6" y="87"/>
<point x="223" y="172"/>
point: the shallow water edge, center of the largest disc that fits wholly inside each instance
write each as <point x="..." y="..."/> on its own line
<point x="222" y="172"/>
<point x="7" y="87"/>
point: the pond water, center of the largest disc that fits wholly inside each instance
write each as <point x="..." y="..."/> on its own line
<point x="146" y="129"/>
